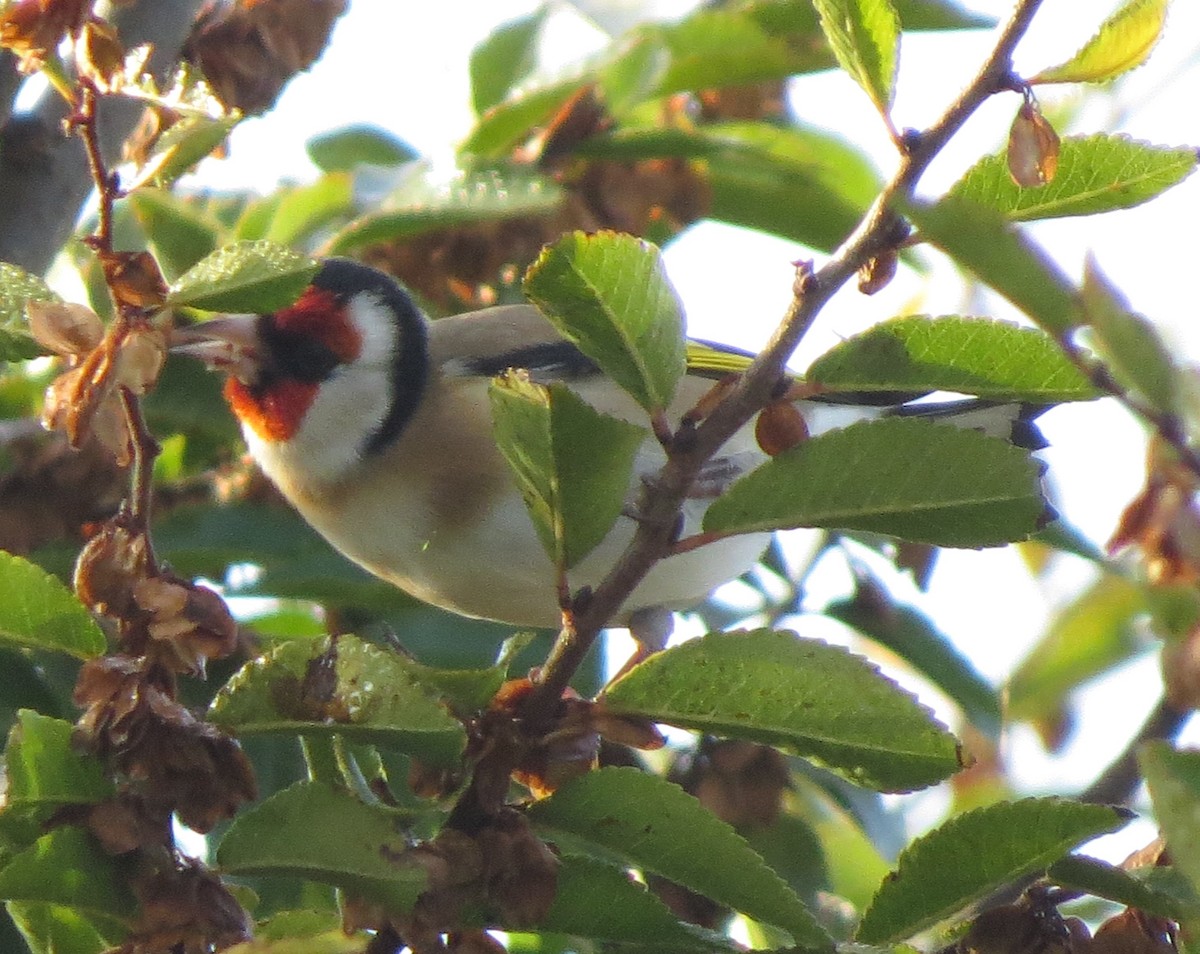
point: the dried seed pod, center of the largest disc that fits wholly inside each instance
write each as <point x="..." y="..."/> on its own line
<point x="108" y="568"/>
<point x="1033" y="147"/>
<point x="100" y="56"/>
<point x="140" y="358"/>
<point x="64" y="327"/>
<point x="134" y="279"/>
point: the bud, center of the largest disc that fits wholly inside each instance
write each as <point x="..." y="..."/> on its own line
<point x="878" y="272"/>
<point x="134" y="278"/>
<point x="780" y="427"/>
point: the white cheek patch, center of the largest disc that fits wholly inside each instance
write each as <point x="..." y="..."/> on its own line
<point x="349" y="407"/>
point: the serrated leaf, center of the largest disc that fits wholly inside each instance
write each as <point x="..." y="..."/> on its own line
<point x="1104" y="880"/>
<point x="17" y="288"/>
<point x="43" y="768"/>
<point x="912" y="635"/>
<point x="1129" y="344"/>
<point x="69" y="867"/>
<point x="1099" y="173"/>
<point x="55" y="929"/>
<point x="313" y="831"/>
<point x="340" y="150"/>
<point x="504" y="58"/>
<point x="942" y="872"/>
<point x="182" y="146"/>
<point x="1173" y="777"/>
<point x="992" y="359"/>
<point x="608" y="293"/>
<point x="259" y="277"/>
<point x="1123" y="42"/>
<point x="981" y="241"/>
<point x="654" y="825"/>
<point x="602" y="903"/>
<point x="39" y="612"/>
<point x="423" y="204"/>
<point x="1087" y="637"/>
<point x="865" y="37"/>
<point x="929" y="483"/>
<point x="179" y="233"/>
<point x="572" y="464"/>
<point x="348" y="688"/>
<point x="819" y="701"/>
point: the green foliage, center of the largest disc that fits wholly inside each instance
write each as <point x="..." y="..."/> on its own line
<point x="246" y="277"/>
<point x="942" y="872"/>
<point x="1173" y="777"/>
<point x="40" y="613"/>
<point x="645" y="820"/>
<point x="609" y="295"/>
<point x="811" y="698"/>
<point x="340" y="150"/>
<point x="950" y="487"/>
<point x="1123" y="42"/>
<point x="572" y="464"/>
<point x="865" y="37"/>
<point x="18" y="288"/>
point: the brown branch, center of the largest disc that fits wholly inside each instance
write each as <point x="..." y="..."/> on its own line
<point x="879" y="230"/>
<point x="1117" y="783"/>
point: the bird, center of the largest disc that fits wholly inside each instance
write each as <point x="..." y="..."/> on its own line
<point x="374" y="422"/>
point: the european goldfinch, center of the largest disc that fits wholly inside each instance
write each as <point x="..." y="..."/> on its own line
<point x="375" y="423"/>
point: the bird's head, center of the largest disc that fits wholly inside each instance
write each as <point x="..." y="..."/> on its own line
<point x="327" y="379"/>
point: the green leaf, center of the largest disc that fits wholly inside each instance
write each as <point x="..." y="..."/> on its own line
<point x="39" y="612"/>
<point x="1099" y="173"/>
<point x="1129" y="344"/>
<point x="423" y="204"/>
<point x="43" y="768"/>
<point x="504" y="58"/>
<point x="655" y="825"/>
<point x="601" y="902"/>
<point x="321" y="834"/>
<point x="1173" y="777"/>
<point x="1123" y="42"/>
<point x="939" y="15"/>
<point x="930" y="483"/>
<point x="191" y="139"/>
<point x="797" y="182"/>
<point x="608" y="293"/>
<point x="259" y="277"/>
<point x="302" y="210"/>
<point x="572" y="464"/>
<point x="1103" y="880"/>
<point x="340" y="687"/>
<point x="993" y="359"/>
<point x="982" y="242"/>
<point x="179" y="233"/>
<point x="17" y="288"/>
<point x="55" y="929"/>
<point x="817" y="700"/>
<point x="942" y="872"/>
<point x="1090" y="635"/>
<point x="340" y="150"/>
<point x="865" y="37"/>
<point x="912" y="635"/>
<point x="69" y="867"/>
<point x="513" y="121"/>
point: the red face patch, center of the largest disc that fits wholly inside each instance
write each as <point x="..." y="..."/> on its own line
<point x="274" y="415"/>
<point x="320" y="314"/>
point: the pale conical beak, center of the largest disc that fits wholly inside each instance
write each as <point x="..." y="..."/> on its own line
<point x="230" y="344"/>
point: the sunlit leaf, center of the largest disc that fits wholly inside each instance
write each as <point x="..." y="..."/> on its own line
<point x="993" y="359"/>
<point x="816" y="700"/>
<point x="1123" y="42"/>
<point x="929" y="483"/>
<point x="942" y="872"/>
<point x="504" y="58"/>
<point x="68" y="867"/>
<point x="1098" y="173"/>
<point x="179" y="233"/>
<point x="340" y="150"/>
<point x="608" y="293"/>
<point x="17" y="288"/>
<point x="865" y="37"/>
<point x="245" y="277"/>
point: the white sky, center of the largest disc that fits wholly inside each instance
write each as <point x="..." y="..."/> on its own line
<point x="406" y="71"/>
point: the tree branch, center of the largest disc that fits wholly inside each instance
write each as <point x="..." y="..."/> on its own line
<point x="44" y="181"/>
<point x="664" y="495"/>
